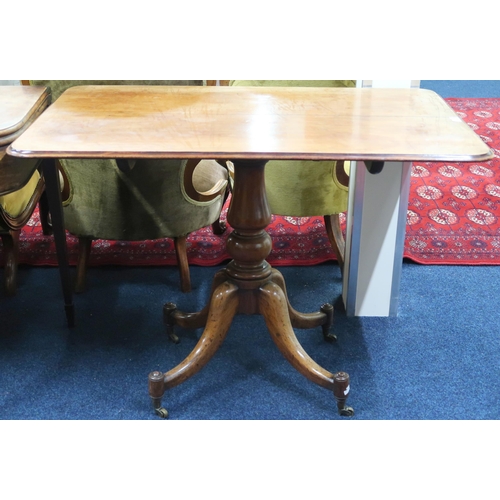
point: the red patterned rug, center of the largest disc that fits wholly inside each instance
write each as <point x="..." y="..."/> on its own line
<point x="454" y="208"/>
<point x="453" y="218"/>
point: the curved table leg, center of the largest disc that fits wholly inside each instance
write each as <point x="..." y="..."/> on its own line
<point x="172" y="316"/>
<point x="223" y="307"/>
<point x="323" y="318"/>
<point x="274" y="306"/>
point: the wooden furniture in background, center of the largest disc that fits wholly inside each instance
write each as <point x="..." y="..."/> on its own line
<point x="21" y="186"/>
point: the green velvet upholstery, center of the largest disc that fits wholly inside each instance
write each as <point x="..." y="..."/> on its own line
<point x="57" y="87"/>
<point x="303" y="188"/>
<point x="16" y="208"/>
<point x="13" y="205"/>
<point x="148" y="201"/>
<point x="293" y="83"/>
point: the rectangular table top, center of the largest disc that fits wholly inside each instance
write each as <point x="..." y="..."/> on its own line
<point x="18" y="105"/>
<point x="251" y="122"/>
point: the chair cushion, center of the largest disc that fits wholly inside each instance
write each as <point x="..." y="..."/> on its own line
<point x="207" y="174"/>
<point x="14" y="203"/>
<point x="16" y="207"/>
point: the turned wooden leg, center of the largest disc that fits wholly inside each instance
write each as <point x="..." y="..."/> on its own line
<point x="52" y="188"/>
<point x="274" y="307"/>
<point x="84" y="248"/>
<point x="334" y="232"/>
<point x="223" y="307"/>
<point x="43" y="210"/>
<point x="219" y="227"/>
<point x="182" y="262"/>
<point x="10" y="242"/>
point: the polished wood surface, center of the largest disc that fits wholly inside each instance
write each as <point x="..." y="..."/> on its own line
<point x="18" y="104"/>
<point x="247" y="122"/>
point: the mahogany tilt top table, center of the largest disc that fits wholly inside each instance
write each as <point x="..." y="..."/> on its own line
<point x="248" y="126"/>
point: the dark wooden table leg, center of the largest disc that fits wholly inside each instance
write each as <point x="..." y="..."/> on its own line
<point x="53" y="190"/>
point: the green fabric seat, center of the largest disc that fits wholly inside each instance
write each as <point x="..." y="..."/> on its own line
<point x="307" y="188"/>
<point x="13" y="205"/>
<point x="16" y="208"/>
<point x="151" y="200"/>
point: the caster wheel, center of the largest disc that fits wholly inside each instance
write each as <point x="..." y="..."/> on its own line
<point x="330" y="337"/>
<point x="347" y="411"/>
<point x="161" y="412"/>
<point x="174" y="338"/>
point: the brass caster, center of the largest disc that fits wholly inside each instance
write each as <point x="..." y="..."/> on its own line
<point x="327" y="309"/>
<point x="168" y="310"/>
<point x="161" y="412"/>
<point x="174" y="338"/>
<point x="347" y="411"/>
<point x="330" y="337"/>
<point x="341" y="389"/>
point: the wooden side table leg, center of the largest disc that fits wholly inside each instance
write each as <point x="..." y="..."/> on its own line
<point x="323" y="318"/>
<point x="273" y="306"/>
<point x="172" y="316"/>
<point x="10" y="242"/>
<point x="53" y="190"/>
<point x="223" y="307"/>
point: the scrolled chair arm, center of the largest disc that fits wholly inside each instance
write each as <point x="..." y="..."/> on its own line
<point x="204" y="180"/>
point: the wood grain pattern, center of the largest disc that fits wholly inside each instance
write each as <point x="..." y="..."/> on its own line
<point x="254" y="123"/>
<point x="17" y="105"/>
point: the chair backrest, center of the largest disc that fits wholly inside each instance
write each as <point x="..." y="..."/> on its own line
<point x="291" y="83"/>
<point x="57" y="87"/>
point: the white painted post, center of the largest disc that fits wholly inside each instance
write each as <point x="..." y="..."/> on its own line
<point x="376" y="224"/>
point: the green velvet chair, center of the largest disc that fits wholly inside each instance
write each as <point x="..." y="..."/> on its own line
<point x="21" y="184"/>
<point x="308" y="188"/>
<point x="17" y="204"/>
<point x="138" y="200"/>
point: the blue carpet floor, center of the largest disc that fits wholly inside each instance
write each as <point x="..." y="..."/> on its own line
<point x="438" y="359"/>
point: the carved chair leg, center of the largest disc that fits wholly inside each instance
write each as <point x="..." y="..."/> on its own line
<point x="84" y="247"/>
<point x="10" y="243"/>
<point x="218" y="227"/>
<point x="182" y="262"/>
<point x="43" y="207"/>
<point x="334" y="232"/>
